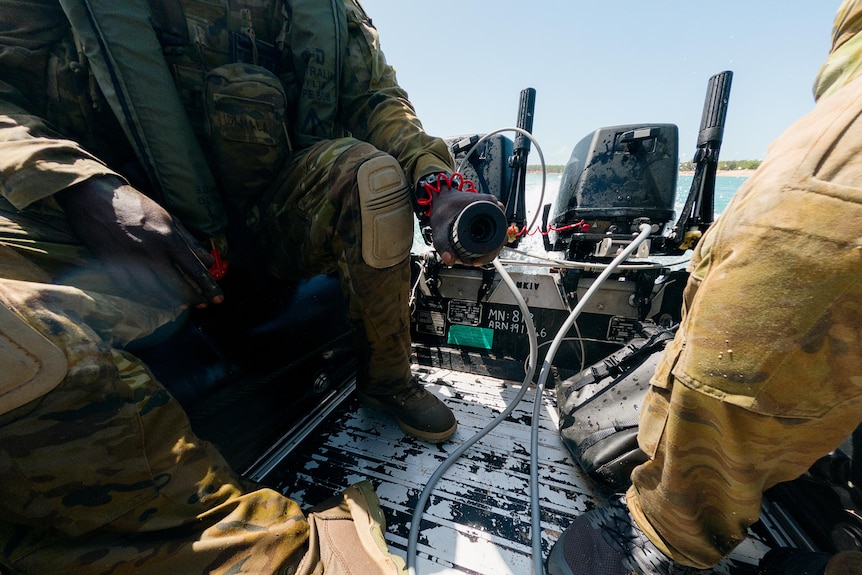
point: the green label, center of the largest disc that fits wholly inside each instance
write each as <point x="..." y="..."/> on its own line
<point x="481" y="337"/>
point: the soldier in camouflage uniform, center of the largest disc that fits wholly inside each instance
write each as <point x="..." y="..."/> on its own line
<point x="764" y="376"/>
<point x="99" y="469"/>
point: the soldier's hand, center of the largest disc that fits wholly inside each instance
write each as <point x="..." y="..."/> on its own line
<point x="148" y="254"/>
<point x="447" y="206"/>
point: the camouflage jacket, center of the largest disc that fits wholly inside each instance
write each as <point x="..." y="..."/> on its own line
<point x="42" y="71"/>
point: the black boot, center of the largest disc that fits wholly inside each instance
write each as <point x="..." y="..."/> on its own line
<point x="418" y="412"/>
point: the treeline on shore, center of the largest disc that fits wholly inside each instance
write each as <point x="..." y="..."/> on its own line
<point x="723" y="165"/>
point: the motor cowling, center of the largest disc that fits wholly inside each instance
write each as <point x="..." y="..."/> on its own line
<point x="616" y="178"/>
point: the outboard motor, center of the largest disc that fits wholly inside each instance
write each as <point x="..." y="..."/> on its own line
<point x="617" y="178"/>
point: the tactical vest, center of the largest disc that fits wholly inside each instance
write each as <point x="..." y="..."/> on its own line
<point x="154" y="61"/>
<point x="299" y="41"/>
<point x="125" y="57"/>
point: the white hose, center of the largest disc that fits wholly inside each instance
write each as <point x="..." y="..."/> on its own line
<point x="422" y="502"/>
<point x="536" y="531"/>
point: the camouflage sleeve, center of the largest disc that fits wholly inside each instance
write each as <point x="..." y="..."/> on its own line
<point x="375" y="108"/>
<point x="35" y="162"/>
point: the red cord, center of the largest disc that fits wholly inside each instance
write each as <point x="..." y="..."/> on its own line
<point x="580" y="226"/>
<point x="219" y="269"/>
<point x="456" y="181"/>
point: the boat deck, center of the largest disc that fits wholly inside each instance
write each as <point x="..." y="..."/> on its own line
<point x="478" y="517"/>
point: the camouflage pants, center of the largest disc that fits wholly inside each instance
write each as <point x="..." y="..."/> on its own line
<point x="103" y="474"/>
<point x="311" y="225"/>
<point x="765" y="373"/>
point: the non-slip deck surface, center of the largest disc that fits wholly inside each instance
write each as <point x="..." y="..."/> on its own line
<point x="478" y="517"/>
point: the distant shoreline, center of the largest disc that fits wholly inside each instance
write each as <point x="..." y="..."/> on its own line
<point x="730" y="173"/>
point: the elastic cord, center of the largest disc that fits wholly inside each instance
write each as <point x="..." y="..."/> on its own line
<point x="434" y="185"/>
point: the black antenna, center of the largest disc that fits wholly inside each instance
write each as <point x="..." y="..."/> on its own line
<point x="699" y="210"/>
<point x="516" y="202"/>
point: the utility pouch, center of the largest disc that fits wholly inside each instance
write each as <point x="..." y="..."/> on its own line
<point x="245" y="108"/>
<point x="599" y="409"/>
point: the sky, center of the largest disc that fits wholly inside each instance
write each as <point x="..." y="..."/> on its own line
<point x="605" y="63"/>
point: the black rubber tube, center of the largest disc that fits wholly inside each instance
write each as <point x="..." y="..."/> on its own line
<point x="478" y="230"/>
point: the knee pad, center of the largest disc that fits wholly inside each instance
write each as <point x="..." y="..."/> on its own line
<point x="385" y="211"/>
<point x="32" y="365"/>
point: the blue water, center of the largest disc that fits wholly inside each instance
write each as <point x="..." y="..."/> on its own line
<point x="725" y="187"/>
